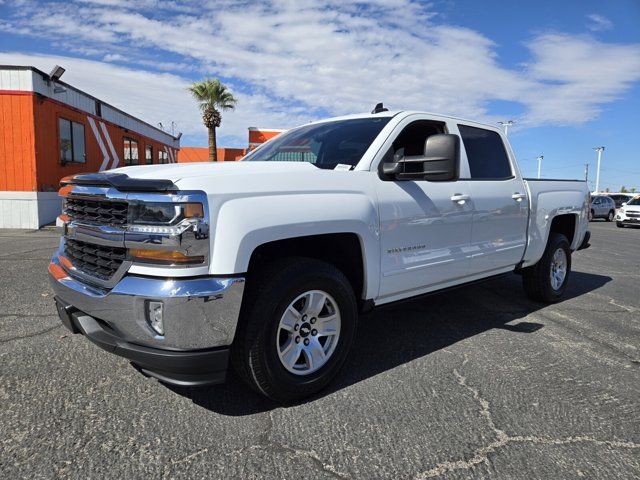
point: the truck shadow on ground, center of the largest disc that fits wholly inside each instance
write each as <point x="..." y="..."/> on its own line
<point x="397" y="334"/>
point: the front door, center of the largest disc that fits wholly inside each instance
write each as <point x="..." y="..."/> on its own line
<point x="425" y="227"/>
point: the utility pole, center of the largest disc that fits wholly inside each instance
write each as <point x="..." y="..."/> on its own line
<point x="540" y="158"/>
<point x="599" y="150"/>
<point x="506" y="124"/>
<point x="586" y="172"/>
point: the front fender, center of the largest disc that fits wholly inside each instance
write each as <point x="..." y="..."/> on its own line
<point x="243" y="224"/>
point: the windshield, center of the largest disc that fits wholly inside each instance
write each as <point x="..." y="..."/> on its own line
<point x="635" y="201"/>
<point x="325" y="145"/>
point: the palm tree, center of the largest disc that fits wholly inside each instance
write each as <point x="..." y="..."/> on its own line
<point x="213" y="97"/>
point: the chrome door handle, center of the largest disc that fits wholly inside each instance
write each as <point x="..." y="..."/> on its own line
<point x="518" y="197"/>
<point x="459" y="198"/>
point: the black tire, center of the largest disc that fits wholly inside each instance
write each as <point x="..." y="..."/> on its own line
<point x="619" y="225"/>
<point x="592" y="216"/>
<point x="536" y="279"/>
<point x="610" y="216"/>
<point x="269" y="292"/>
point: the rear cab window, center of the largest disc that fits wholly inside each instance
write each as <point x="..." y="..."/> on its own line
<point x="486" y="154"/>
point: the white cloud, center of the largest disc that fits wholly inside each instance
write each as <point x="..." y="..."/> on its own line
<point x="290" y="62"/>
<point x="598" y="23"/>
<point x="580" y="75"/>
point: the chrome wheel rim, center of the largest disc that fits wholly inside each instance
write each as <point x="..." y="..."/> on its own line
<point x="308" y="332"/>
<point x="558" y="268"/>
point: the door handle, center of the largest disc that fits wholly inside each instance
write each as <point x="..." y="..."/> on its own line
<point x="459" y="198"/>
<point x="518" y="197"/>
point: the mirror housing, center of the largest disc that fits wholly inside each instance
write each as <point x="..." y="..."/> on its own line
<point x="439" y="163"/>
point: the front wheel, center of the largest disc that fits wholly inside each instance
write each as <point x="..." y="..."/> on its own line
<point x="547" y="280"/>
<point x="619" y="224"/>
<point x="297" y="325"/>
<point x="610" y="216"/>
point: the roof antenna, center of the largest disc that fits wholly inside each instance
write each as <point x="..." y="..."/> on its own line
<point x="379" y="108"/>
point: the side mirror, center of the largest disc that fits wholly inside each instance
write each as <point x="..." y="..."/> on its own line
<point x="440" y="161"/>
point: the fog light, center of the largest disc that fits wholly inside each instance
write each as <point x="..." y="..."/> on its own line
<point x="154" y="317"/>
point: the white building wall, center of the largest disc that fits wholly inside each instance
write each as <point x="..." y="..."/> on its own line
<point x="21" y="80"/>
<point x="29" y="210"/>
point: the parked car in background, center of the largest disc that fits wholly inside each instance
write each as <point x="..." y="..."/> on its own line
<point x="620" y="198"/>
<point x="629" y="213"/>
<point x="602" y="207"/>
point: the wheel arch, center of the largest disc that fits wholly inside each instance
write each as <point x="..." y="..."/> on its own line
<point x="566" y="225"/>
<point x="344" y="250"/>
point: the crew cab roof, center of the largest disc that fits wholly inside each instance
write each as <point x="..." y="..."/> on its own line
<point x="403" y="113"/>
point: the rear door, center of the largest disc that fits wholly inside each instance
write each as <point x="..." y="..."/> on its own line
<point x="499" y="201"/>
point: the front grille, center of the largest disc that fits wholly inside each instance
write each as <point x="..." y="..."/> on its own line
<point x="103" y="212"/>
<point x="95" y="260"/>
<point x="633" y="214"/>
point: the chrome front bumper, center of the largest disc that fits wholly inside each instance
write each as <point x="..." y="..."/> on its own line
<point x="199" y="312"/>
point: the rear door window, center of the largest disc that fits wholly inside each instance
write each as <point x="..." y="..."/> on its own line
<point x="486" y="154"/>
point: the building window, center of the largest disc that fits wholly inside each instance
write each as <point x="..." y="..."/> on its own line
<point x="163" y="156"/>
<point x="130" y="152"/>
<point x="72" y="146"/>
<point x="148" y="154"/>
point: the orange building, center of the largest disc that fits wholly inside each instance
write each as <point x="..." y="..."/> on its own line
<point x="49" y="129"/>
<point x="257" y="136"/>
<point x="201" y="154"/>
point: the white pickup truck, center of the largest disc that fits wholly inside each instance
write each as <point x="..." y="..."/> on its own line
<point x="267" y="262"/>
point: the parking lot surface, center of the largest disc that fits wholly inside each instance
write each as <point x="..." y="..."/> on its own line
<point x="478" y="382"/>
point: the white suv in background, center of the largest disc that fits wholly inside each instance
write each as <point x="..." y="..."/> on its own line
<point x="629" y="213"/>
<point x="620" y="198"/>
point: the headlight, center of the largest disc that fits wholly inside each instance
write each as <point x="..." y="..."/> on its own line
<point x="165" y="214"/>
<point x="167" y="233"/>
<point x="621" y="210"/>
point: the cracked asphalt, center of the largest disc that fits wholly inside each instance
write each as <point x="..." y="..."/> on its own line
<point x="474" y="383"/>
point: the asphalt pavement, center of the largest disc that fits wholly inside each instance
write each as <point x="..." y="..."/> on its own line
<point x="474" y="383"/>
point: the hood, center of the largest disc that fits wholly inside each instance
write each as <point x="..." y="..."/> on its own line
<point x="250" y="178"/>
<point x="180" y="171"/>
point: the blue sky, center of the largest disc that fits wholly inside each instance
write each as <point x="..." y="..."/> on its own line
<point x="567" y="72"/>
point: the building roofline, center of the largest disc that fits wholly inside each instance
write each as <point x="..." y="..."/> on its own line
<point x="259" y="129"/>
<point x="47" y="77"/>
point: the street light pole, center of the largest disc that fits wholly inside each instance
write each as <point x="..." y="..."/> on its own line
<point x="586" y="172"/>
<point x="540" y="158"/>
<point x="506" y="124"/>
<point x="599" y="150"/>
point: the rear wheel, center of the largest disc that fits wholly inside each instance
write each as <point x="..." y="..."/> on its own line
<point x="591" y="215"/>
<point x="298" y="322"/>
<point x="547" y="280"/>
<point x="610" y="216"/>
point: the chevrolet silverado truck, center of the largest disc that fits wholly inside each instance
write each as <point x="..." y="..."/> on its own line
<point x="266" y="263"/>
